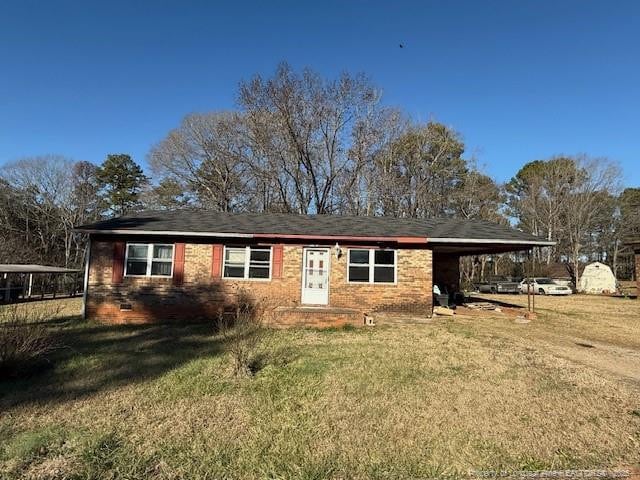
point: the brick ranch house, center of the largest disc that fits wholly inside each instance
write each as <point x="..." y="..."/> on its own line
<point x="315" y="269"/>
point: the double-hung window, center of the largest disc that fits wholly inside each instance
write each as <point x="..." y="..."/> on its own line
<point x="247" y="263"/>
<point x="149" y="260"/>
<point x="371" y="266"/>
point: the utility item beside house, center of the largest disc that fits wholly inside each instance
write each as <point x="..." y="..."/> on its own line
<point x="598" y="278"/>
<point x="316" y="270"/>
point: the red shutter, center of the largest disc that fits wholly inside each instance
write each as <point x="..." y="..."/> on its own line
<point x="216" y="261"/>
<point x="178" y="264"/>
<point x="277" y="261"/>
<point x="117" y="270"/>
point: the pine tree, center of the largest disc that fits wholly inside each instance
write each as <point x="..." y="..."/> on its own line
<point x="121" y="181"/>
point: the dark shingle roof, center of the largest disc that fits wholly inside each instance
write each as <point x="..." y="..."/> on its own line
<point x="198" y="222"/>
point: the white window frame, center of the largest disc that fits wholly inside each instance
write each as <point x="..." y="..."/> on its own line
<point x="372" y="265"/>
<point x="247" y="262"/>
<point x="150" y="259"/>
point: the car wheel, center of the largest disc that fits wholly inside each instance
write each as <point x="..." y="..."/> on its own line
<point x="541" y="291"/>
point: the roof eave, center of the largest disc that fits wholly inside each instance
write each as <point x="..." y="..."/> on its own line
<point x="174" y="233"/>
<point x="337" y="238"/>
<point x="537" y="243"/>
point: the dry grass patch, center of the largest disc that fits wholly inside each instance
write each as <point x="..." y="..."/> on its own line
<point x="417" y="400"/>
<point x="600" y="318"/>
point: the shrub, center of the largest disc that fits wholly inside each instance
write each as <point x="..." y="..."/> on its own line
<point x="25" y="341"/>
<point x="242" y="330"/>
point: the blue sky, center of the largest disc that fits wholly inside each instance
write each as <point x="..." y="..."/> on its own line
<point x="520" y="80"/>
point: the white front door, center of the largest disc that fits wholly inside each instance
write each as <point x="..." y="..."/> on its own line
<point x="315" y="276"/>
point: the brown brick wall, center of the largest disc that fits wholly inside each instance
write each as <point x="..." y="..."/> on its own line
<point x="202" y="297"/>
<point x="322" y="318"/>
<point x="411" y="293"/>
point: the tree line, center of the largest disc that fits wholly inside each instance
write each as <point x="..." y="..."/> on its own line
<point x="302" y="143"/>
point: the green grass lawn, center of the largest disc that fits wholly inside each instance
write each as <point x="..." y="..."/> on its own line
<point x="452" y="396"/>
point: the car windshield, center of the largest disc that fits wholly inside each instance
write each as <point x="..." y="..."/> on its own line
<point x="544" y="281"/>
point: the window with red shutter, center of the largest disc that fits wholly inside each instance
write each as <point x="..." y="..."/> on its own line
<point x="278" y="254"/>
<point x="117" y="270"/>
<point x="178" y="266"/>
<point x="216" y="261"/>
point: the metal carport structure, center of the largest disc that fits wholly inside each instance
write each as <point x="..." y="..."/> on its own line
<point x="16" y="281"/>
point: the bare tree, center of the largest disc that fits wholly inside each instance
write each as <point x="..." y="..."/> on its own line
<point x="479" y="197"/>
<point x="582" y="210"/>
<point x="305" y="144"/>
<point x="421" y="170"/>
<point x="301" y="126"/>
<point x="538" y="196"/>
<point x="42" y="185"/>
<point x="46" y="197"/>
<point x="364" y="188"/>
<point x="205" y="155"/>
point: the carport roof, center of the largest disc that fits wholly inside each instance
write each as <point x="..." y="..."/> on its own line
<point x="448" y="233"/>
<point x="20" y="268"/>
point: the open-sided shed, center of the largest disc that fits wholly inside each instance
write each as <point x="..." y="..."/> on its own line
<point x="18" y="281"/>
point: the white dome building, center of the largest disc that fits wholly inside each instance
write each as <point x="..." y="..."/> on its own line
<point x="597" y="278"/>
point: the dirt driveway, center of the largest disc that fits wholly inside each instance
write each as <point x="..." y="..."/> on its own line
<point x="598" y="332"/>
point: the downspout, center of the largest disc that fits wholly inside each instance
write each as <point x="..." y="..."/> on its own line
<point x="85" y="289"/>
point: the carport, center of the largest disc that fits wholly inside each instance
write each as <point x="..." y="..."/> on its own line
<point x="446" y="258"/>
<point x="473" y="239"/>
<point x="23" y="282"/>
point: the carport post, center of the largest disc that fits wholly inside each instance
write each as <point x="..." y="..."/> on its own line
<point x="85" y="285"/>
<point x="30" y="285"/>
<point x="7" y="292"/>
<point x="531" y="298"/>
<point x="533" y="302"/>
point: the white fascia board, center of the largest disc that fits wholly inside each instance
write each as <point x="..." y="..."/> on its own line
<point x="541" y="243"/>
